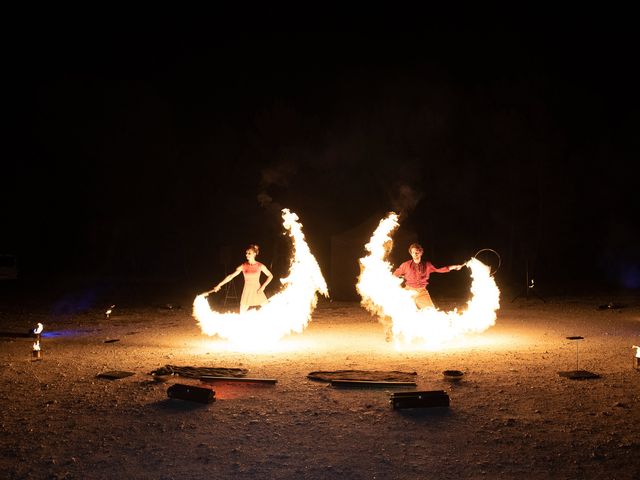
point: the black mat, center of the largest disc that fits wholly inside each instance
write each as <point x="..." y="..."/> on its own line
<point x="198" y="372"/>
<point x="611" y="306"/>
<point x="579" y="375"/>
<point x="115" y="374"/>
<point x="363" y="375"/>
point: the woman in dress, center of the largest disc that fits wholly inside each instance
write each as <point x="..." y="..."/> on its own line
<point x="253" y="292"/>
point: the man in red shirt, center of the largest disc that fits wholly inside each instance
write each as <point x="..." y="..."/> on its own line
<point x="416" y="275"/>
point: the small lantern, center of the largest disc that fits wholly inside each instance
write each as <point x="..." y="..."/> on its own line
<point x="36" y="352"/>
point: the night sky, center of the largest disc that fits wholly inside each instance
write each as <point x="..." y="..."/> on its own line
<point x="159" y="152"/>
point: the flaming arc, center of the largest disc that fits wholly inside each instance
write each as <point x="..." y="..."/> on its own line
<point x="383" y="295"/>
<point x="286" y="312"/>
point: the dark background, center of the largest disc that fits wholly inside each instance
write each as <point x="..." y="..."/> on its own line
<point x="158" y="152"/>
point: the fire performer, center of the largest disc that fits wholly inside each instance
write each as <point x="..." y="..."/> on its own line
<point x="416" y="275"/>
<point x="253" y="293"/>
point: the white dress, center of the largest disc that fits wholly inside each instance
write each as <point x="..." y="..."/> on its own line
<point x="250" y="296"/>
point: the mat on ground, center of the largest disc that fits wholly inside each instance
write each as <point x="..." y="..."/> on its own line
<point x="379" y="376"/>
<point x="199" y="372"/>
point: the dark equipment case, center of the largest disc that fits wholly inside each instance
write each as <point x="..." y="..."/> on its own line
<point x="424" y="399"/>
<point x="192" y="393"/>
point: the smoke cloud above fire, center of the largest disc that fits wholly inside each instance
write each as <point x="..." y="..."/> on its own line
<point x="278" y="175"/>
<point x="404" y="198"/>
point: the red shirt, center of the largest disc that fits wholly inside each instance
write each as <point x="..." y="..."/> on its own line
<point x="416" y="275"/>
<point x="249" y="268"/>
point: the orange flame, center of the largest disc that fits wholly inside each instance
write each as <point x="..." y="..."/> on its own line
<point x="36" y="346"/>
<point x="383" y="295"/>
<point x="286" y="312"/>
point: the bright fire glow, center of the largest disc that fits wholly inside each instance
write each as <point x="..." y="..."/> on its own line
<point x="38" y="329"/>
<point x="383" y="295"/>
<point x="36" y="346"/>
<point x="286" y="312"/>
<point x="637" y="350"/>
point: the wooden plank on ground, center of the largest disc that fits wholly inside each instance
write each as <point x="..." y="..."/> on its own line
<point x="210" y="378"/>
<point x="370" y="384"/>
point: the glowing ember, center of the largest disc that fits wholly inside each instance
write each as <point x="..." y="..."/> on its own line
<point x="383" y="295"/>
<point x="287" y="311"/>
<point x="38" y="329"/>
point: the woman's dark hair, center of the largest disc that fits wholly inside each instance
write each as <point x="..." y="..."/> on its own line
<point x="254" y="247"/>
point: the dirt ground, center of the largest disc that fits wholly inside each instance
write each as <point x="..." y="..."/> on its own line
<point x="512" y="414"/>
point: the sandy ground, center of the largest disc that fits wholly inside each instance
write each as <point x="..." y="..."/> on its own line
<point x="511" y="416"/>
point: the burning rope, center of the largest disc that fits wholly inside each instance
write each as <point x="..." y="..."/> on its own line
<point x="383" y="295"/>
<point x="287" y="311"/>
